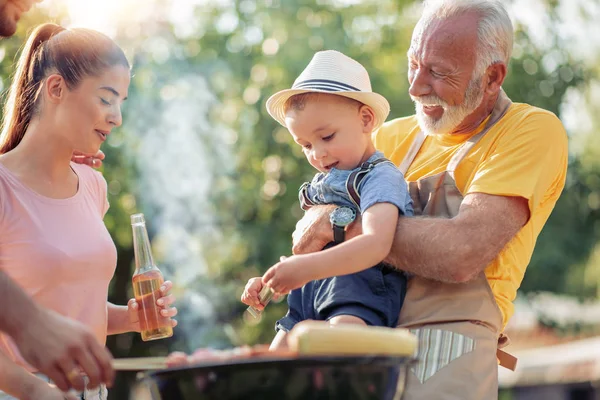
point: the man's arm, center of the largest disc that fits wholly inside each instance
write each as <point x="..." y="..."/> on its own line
<point x="449" y="250"/>
<point x="17" y="382"/>
<point x="52" y="343"/>
<point x="457" y="249"/>
<point x="20" y="308"/>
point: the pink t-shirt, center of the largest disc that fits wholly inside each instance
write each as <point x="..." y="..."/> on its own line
<point x="58" y="250"/>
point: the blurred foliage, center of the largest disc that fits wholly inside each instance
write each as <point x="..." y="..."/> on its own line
<point x="247" y="50"/>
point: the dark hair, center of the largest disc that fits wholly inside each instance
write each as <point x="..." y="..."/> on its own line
<point x="51" y="49"/>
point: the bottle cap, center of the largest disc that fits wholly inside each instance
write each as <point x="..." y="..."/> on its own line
<point x="138" y="219"/>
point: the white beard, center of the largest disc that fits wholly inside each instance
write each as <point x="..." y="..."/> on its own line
<point x="453" y="116"/>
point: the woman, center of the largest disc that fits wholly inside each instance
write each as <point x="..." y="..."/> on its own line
<point x="66" y="96"/>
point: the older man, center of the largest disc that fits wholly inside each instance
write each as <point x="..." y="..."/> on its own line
<point x="484" y="174"/>
<point x="47" y="340"/>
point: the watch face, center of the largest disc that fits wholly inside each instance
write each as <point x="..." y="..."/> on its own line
<point x="342" y="216"/>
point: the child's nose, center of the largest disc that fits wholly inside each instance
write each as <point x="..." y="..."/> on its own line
<point x="320" y="152"/>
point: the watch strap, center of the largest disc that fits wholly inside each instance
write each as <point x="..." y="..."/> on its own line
<point x="339" y="234"/>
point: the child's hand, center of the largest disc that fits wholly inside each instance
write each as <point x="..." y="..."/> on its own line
<point x="288" y="274"/>
<point x="164" y="303"/>
<point x="251" y="291"/>
<point x="253" y="288"/>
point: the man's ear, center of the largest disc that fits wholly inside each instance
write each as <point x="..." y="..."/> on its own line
<point x="495" y="77"/>
<point x="367" y="117"/>
<point x="54" y="88"/>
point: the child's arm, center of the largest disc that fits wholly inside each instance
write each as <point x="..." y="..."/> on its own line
<point x="357" y="254"/>
<point x="361" y="252"/>
<point x="279" y="341"/>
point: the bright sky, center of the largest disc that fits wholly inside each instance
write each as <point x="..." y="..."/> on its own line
<point x="107" y="15"/>
<point x="100" y="15"/>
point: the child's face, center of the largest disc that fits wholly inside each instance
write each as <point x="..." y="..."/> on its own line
<point x="333" y="132"/>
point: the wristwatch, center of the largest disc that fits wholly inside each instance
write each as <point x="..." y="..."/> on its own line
<point x="340" y="218"/>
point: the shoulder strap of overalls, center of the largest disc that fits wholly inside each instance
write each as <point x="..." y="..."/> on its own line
<point x="305" y="201"/>
<point x="352" y="185"/>
<point x="500" y="108"/>
<point x="356" y="177"/>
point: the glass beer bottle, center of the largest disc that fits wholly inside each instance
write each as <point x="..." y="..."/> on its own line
<point x="147" y="280"/>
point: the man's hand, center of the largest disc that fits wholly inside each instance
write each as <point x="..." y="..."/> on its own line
<point x="94" y="161"/>
<point x="313" y="232"/>
<point x="62" y="348"/>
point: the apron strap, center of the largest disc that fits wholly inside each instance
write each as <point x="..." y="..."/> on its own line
<point x="412" y="152"/>
<point x="500" y="108"/>
<point x="506" y="360"/>
<point x="356" y="177"/>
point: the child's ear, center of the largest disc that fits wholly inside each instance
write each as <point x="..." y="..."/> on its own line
<point x="367" y="117"/>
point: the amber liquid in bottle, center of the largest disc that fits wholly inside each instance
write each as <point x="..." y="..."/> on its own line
<point x="147" y="280"/>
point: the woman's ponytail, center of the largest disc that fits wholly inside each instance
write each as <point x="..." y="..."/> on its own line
<point x="25" y="86"/>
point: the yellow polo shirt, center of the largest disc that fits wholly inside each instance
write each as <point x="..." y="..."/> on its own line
<point x="525" y="154"/>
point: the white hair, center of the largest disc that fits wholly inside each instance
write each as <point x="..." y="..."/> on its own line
<point x="494" y="31"/>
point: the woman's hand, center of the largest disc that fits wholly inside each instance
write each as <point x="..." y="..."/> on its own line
<point x="164" y="303"/>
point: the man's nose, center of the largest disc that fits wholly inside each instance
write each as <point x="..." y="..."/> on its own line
<point x="419" y="83"/>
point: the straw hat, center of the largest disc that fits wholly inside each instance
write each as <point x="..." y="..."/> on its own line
<point x="332" y="72"/>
